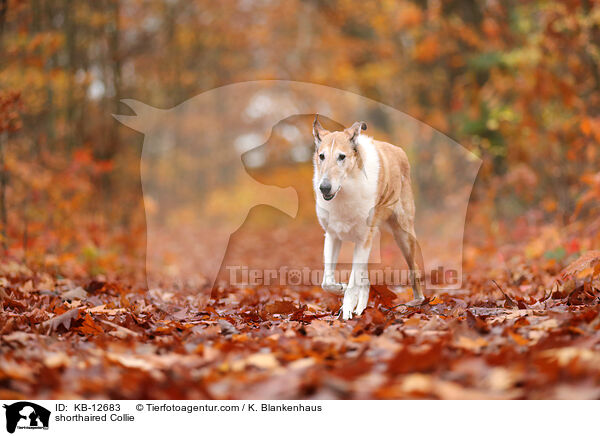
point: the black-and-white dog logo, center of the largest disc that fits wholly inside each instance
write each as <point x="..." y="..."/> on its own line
<point x="26" y="415"/>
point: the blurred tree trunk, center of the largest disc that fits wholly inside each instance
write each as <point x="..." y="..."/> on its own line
<point x="69" y="27"/>
<point x="114" y="36"/>
<point x="3" y="9"/>
<point x="116" y="73"/>
<point x="3" y="173"/>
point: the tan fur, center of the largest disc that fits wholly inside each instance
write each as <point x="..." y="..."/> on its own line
<point x="395" y="206"/>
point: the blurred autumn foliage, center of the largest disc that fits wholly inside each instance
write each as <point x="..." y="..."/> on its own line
<point x="515" y="82"/>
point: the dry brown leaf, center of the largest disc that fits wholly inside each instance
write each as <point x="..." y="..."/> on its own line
<point x="589" y="262"/>
<point x="64" y="320"/>
<point x="77" y="293"/>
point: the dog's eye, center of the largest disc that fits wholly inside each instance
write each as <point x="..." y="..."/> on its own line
<point x="341" y="157"/>
<point x="322" y="156"/>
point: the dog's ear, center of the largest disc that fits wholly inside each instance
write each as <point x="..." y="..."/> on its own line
<point x="354" y="131"/>
<point x="318" y="131"/>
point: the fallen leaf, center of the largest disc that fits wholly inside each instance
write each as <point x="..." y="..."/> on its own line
<point x="280" y="307"/>
<point x="588" y="261"/>
<point x="518" y="338"/>
<point x="75" y="293"/>
<point x="64" y="320"/>
<point x="471" y="344"/>
<point x="227" y="328"/>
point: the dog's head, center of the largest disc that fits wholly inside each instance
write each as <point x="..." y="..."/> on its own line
<point x="336" y="155"/>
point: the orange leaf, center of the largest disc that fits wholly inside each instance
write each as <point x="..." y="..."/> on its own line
<point x="518" y="338"/>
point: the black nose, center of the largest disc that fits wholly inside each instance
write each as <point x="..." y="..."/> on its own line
<point x="325" y="187"/>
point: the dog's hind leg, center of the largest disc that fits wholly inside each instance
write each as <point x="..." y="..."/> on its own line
<point x="331" y="251"/>
<point x="407" y="241"/>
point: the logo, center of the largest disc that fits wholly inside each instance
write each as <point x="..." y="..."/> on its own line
<point x="26" y="415"/>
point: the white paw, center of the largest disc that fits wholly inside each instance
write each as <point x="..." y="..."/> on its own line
<point x="333" y="287"/>
<point x="355" y="301"/>
<point x="363" y="300"/>
<point x="350" y="302"/>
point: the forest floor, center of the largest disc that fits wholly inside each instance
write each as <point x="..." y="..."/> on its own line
<point x="512" y="338"/>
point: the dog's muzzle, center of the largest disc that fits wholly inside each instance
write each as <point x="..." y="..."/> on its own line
<point x="325" y="188"/>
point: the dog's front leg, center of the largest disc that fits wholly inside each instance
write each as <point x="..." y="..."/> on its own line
<point x="356" y="296"/>
<point x="331" y="252"/>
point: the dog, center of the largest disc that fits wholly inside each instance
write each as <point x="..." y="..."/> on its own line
<point x="361" y="185"/>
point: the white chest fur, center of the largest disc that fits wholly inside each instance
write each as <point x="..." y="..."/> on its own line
<point x="347" y="215"/>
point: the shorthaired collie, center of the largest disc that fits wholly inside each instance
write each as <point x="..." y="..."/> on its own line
<point x="362" y="184"/>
